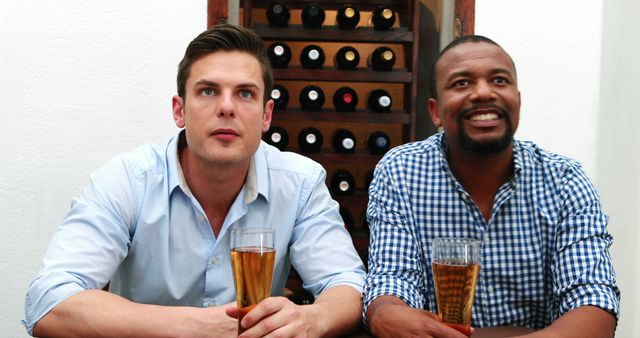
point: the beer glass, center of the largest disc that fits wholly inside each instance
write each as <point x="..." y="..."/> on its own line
<point x="252" y="258"/>
<point x="455" y="263"/>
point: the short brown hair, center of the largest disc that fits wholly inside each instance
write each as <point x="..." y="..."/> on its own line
<point x="225" y="37"/>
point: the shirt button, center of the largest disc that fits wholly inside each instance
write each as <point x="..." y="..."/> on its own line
<point x="490" y="289"/>
<point x="201" y="218"/>
<point x="215" y="260"/>
<point x="212" y="304"/>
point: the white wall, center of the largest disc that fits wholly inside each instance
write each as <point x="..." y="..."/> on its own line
<point x="84" y="80"/>
<point x="80" y="81"/>
<point x="618" y="151"/>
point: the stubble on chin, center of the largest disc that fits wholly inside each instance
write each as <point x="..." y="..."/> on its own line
<point x="492" y="146"/>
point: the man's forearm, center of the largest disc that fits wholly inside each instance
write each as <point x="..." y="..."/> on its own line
<point x="584" y="321"/>
<point x="389" y="316"/>
<point x="97" y="313"/>
<point x="500" y="332"/>
<point x="335" y="312"/>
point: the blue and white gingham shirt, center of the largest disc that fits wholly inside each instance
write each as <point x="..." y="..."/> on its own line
<point x="545" y="247"/>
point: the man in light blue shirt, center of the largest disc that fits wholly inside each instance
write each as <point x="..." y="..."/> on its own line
<point x="156" y="222"/>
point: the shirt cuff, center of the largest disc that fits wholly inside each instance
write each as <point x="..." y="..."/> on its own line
<point x="38" y="304"/>
<point x="389" y="286"/>
<point x="601" y="296"/>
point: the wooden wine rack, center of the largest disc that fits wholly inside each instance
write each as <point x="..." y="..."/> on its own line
<point x="400" y="82"/>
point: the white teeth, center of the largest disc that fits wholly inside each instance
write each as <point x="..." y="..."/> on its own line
<point x="484" y="117"/>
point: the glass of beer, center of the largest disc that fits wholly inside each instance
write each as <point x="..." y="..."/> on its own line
<point x="456" y="263"/>
<point x="252" y="258"/>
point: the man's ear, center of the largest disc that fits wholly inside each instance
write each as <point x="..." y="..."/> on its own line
<point x="178" y="111"/>
<point x="434" y="112"/>
<point x="268" y="114"/>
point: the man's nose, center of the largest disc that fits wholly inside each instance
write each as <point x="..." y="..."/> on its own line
<point x="482" y="91"/>
<point x="226" y="107"/>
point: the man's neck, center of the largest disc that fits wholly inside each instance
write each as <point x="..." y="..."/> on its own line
<point x="481" y="175"/>
<point x="214" y="186"/>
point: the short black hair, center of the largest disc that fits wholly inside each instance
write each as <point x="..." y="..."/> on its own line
<point x="225" y="37"/>
<point x="433" y="91"/>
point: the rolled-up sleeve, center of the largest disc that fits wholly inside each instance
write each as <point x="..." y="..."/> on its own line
<point x="395" y="262"/>
<point x="582" y="266"/>
<point x="90" y="243"/>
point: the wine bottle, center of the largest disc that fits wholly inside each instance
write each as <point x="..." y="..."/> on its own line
<point x="313" y="15"/>
<point x="378" y="142"/>
<point x="277" y="137"/>
<point x="382" y="59"/>
<point x="310" y="140"/>
<point x="345" y="99"/>
<point x="383" y="18"/>
<point x="342" y="183"/>
<point x="348" y="17"/>
<point x="280" y="96"/>
<point x="347" y="58"/>
<point x="311" y="98"/>
<point x="379" y="101"/>
<point x="312" y="57"/>
<point x="279" y="54"/>
<point x="347" y="218"/>
<point x="344" y="141"/>
<point x="278" y="15"/>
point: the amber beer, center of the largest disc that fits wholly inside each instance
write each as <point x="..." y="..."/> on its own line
<point x="252" y="272"/>
<point x="455" y="265"/>
<point x="455" y="288"/>
<point x="252" y="261"/>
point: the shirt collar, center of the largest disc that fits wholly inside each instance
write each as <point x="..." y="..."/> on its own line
<point x="257" y="181"/>
<point x="518" y="159"/>
<point x="442" y="145"/>
<point x="175" y="174"/>
<point x="261" y="174"/>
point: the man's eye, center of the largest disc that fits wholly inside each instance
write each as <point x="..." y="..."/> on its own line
<point x="246" y="94"/>
<point x="501" y="80"/>
<point x="208" y="92"/>
<point x="461" y="83"/>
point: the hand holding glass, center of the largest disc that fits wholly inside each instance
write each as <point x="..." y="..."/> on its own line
<point x="252" y="258"/>
<point x="456" y="263"/>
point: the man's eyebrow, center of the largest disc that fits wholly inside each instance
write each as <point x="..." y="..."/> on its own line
<point x="248" y="85"/>
<point x="492" y="71"/>
<point x="215" y="84"/>
<point x="454" y="75"/>
<point x="206" y="83"/>
<point x="462" y="73"/>
<point x="500" y="71"/>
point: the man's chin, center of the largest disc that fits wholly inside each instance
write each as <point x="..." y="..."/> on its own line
<point x="486" y="146"/>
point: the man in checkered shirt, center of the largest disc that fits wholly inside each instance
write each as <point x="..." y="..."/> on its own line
<point x="545" y="267"/>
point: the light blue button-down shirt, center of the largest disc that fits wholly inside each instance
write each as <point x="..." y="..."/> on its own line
<point x="138" y="226"/>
